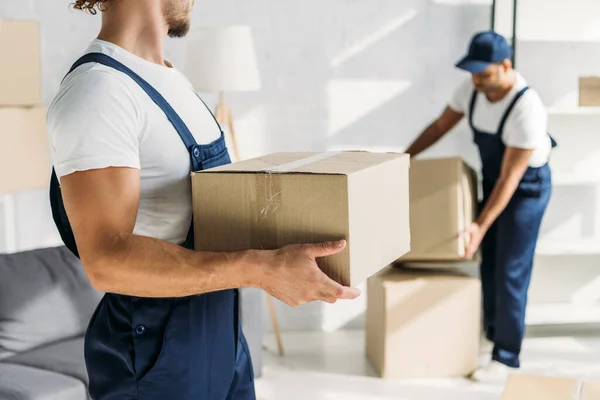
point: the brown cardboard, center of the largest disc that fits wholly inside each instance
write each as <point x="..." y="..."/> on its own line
<point x="24" y="152"/>
<point x="591" y="391"/>
<point x="20" y="70"/>
<point x="288" y="198"/>
<point x="443" y="202"/>
<point x="589" y="91"/>
<point x="527" y="387"/>
<point x="422" y="324"/>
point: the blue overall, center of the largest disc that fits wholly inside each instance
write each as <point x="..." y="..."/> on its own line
<point x="189" y="348"/>
<point x="508" y="248"/>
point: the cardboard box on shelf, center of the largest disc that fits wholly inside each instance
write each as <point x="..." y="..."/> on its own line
<point x="24" y="151"/>
<point x="443" y="202"/>
<point x="287" y="198"/>
<point x="589" y="91"/>
<point x="20" y="73"/>
<point x="527" y="387"/>
<point x="422" y="324"/>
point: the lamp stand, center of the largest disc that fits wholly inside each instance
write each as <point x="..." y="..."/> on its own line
<point x="223" y="115"/>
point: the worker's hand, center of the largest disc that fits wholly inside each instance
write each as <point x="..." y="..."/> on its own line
<point x="292" y="275"/>
<point x="475" y="234"/>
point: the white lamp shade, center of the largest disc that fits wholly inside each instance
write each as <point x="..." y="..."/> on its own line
<point x="222" y="59"/>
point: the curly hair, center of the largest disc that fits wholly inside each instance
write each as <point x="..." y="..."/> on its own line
<point x="90" y="5"/>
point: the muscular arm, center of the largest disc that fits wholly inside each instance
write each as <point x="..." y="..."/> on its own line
<point x="435" y="131"/>
<point x="514" y="165"/>
<point x="102" y="206"/>
<point x="97" y="123"/>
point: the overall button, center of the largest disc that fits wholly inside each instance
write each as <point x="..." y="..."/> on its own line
<point x="140" y="329"/>
<point x="196" y="152"/>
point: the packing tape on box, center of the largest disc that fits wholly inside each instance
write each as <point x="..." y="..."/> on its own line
<point x="287" y="167"/>
<point x="266" y="200"/>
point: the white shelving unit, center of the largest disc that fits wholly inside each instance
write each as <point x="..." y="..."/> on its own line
<point x="575" y="164"/>
<point x="571" y="247"/>
<point x="562" y="313"/>
<point x="573" y="111"/>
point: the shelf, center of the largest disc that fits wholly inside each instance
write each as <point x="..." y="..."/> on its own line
<point x="567" y="247"/>
<point x="562" y="313"/>
<point x="574" y="179"/>
<point x="573" y="110"/>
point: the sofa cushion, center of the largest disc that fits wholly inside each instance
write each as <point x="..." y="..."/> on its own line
<point x="45" y="296"/>
<point x="25" y="383"/>
<point x="64" y="357"/>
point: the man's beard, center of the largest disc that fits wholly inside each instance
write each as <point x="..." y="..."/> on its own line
<point x="177" y="15"/>
<point x="179" y="28"/>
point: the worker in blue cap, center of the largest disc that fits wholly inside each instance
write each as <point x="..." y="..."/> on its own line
<point x="509" y="125"/>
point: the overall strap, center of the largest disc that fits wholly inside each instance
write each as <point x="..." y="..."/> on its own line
<point x="472" y="109"/>
<point x="510" y="108"/>
<point x="178" y="124"/>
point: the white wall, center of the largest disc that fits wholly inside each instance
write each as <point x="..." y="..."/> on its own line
<point x="347" y="74"/>
<point x="363" y="74"/>
<point x="366" y="74"/>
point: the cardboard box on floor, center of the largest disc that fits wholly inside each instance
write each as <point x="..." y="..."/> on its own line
<point x="24" y="152"/>
<point x="422" y="324"/>
<point x="589" y="91"/>
<point x="20" y="70"/>
<point x="443" y="202"/>
<point x="528" y="387"/>
<point x="288" y="198"/>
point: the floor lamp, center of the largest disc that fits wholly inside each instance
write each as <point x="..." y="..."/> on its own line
<point x="221" y="60"/>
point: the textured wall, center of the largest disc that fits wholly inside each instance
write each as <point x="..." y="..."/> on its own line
<point x="336" y="74"/>
<point x="365" y="74"/>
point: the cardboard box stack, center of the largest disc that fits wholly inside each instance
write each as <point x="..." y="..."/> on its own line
<point x="443" y="202"/>
<point x="589" y="91"/>
<point x="23" y="141"/>
<point x="408" y="308"/>
<point x="422" y="324"/>
<point x="288" y="198"/>
<point x="528" y="387"/>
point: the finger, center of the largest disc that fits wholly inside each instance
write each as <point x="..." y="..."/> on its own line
<point x="330" y="286"/>
<point x="328" y="298"/>
<point x="349" y="293"/>
<point x="338" y="291"/>
<point x="471" y="250"/>
<point x="327" y="248"/>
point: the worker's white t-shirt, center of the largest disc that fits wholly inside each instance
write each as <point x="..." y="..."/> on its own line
<point x="526" y="126"/>
<point x="102" y="118"/>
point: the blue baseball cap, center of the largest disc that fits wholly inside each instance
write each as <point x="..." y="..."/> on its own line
<point x="486" y="48"/>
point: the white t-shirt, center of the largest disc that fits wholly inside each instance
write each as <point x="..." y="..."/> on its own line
<point x="102" y="118"/>
<point x="526" y="126"/>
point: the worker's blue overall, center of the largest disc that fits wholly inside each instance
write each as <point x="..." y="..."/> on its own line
<point x="189" y="348"/>
<point x="508" y="248"/>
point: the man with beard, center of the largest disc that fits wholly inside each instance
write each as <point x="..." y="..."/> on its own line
<point x="125" y="130"/>
<point x="509" y="123"/>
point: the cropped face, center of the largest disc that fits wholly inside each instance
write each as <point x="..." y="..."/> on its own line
<point x="492" y="78"/>
<point x="178" y="15"/>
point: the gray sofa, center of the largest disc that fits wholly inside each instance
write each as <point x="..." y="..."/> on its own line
<point x="46" y="302"/>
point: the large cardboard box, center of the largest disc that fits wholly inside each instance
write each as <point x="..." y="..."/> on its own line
<point x="443" y="202"/>
<point x="589" y="91"/>
<point x="528" y="387"/>
<point x="20" y="70"/>
<point x="287" y="198"/>
<point x="423" y="324"/>
<point x="24" y="150"/>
